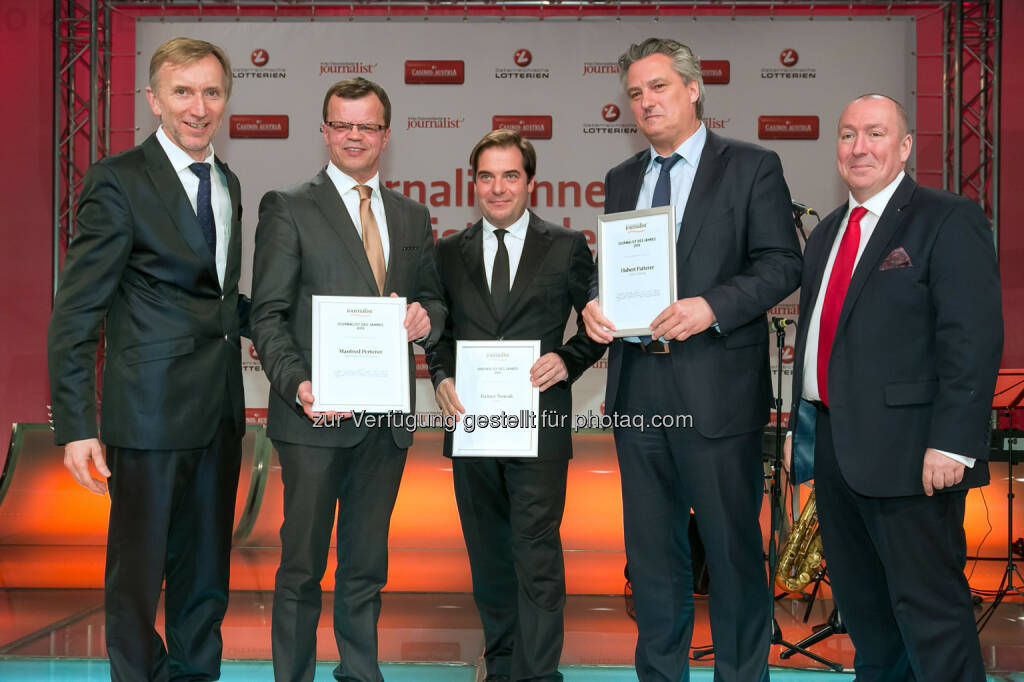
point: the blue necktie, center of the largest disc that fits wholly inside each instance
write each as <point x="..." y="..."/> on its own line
<point x="662" y="197"/>
<point x="204" y="206"/>
<point x="663" y="188"/>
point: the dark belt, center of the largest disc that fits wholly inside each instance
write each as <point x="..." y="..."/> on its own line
<point x="652" y="347"/>
<point x="821" y="407"/>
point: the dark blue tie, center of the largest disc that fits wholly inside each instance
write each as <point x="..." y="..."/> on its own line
<point x="204" y="206"/>
<point x="662" y="197"/>
<point x="663" y="188"/>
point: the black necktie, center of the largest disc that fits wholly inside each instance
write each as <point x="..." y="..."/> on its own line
<point x="204" y="206"/>
<point x="663" y="188"/>
<point x="499" y="274"/>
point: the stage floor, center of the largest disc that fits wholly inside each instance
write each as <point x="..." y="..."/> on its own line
<point x="58" y="635"/>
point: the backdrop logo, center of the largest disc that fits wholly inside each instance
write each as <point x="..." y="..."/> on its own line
<point x="714" y="71"/>
<point x="787" y="127"/>
<point x="610" y="113"/>
<point x="788" y="58"/>
<point x="599" y="68"/>
<point x="346" y="67"/>
<point x="535" y="127"/>
<point x="434" y="122"/>
<point x="259" y="57"/>
<point x="713" y="123"/>
<point x="522" y="58"/>
<point x="430" y="71"/>
<point x="258" y="126"/>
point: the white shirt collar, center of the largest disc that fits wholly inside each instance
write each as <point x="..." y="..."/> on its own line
<point x="178" y="157"/>
<point x="876" y="204"/>
<point x="690" y="149"/>
<point x="344" y="182"/>
<point x="516" y="229"/>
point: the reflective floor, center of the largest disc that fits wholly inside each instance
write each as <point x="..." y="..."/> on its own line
<point x="58" y="635"/>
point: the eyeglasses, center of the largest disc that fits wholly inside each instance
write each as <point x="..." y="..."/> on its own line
<point x="345" y="126"/>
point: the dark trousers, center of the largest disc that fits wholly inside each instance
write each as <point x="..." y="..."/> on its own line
<point x="360" y="484"/>
<point x="171" y="515"/>
<point x="511" y="511"/>
<point x="665" y="472"/>
<point x="896" y="566"/>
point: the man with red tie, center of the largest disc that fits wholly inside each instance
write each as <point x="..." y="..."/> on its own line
<point x="897" y="349"/>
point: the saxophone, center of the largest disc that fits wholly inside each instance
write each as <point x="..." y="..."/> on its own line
<point x="801" y="557"/>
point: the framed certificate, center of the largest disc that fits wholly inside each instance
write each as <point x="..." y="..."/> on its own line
<point x="492" y="380"/>
<point x="360" y="354"/>
<point x="636" y="260"/>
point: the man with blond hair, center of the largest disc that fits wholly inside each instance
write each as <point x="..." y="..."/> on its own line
<point x="155" y="258"/>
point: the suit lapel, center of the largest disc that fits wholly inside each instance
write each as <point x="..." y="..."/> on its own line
<point x="888" y="224"/>
<point x="396" y="232"/>
<point x="535" y="249"/>
<point x="326" y="197"/>
<point x="234" y="264"/>
<point x="709" y="173"/>
<point x="471" y="247"/>
<point x="636" y="171"/>
<point x="167" y="185"/>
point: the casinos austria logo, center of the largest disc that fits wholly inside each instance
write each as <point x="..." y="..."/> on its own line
<point x="789" y="58"/>
<point x="521" y="58"/>
<point x="535" y="127"/>
<point x="434" y="71"/>
<point x="714" y="71"/>
<point x="260" y="60"/>
<point x="787" y="127"/>
<point x="258" y="126"/>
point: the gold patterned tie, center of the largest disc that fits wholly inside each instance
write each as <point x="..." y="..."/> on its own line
<point x="371" y="237"/>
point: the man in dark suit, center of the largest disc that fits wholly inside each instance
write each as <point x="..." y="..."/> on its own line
<point x="156" y="256"/>
<point x="898" y="347"/>
<point x="736" y="255"/>
<point x="340" y="234"/>
<point x="514" y="276"/>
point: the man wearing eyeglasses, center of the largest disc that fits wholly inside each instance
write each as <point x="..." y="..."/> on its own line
<point x="342" y="234"/>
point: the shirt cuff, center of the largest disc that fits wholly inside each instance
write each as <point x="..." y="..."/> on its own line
<point x="966" y="461"/>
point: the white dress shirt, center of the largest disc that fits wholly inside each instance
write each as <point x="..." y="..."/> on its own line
<point x="219" y="197"/>
<point x="514" y="240"/>
<point x="346" y="187"/>
<point x="875" y="207"/>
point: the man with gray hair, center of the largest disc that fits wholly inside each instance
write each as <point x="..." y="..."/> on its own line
<point x="706" y="356"/>
<point x="156" y="256"/>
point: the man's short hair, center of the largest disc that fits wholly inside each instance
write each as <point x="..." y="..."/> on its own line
<point x="180" y="51"/>
<point x="684" y="62"/>
<point x="901" y="112"/>
<point x="506" y="138"/>
<point x="358" y="88"/>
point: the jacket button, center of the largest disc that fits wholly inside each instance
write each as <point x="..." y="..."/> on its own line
<point x="222" y="297"/>
<point x="226" y="337"/>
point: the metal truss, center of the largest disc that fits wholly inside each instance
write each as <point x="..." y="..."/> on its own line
<point x="82" y="51"/>
<point x="970" y="131"/>
<point x="81" y="107"/>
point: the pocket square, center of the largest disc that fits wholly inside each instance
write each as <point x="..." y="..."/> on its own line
<point x="897" y="258"/>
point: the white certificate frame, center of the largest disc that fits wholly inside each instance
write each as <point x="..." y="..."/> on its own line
<point x="631" y="306"/>
<point x="370" y="370"/>
<point x="478" y="367"/>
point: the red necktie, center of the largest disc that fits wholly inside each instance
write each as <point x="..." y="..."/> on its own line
<point x="838" y="283"/>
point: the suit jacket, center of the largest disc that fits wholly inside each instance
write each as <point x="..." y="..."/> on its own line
<point x="553" y="276"/>
<point x="140" y="263"/>
<point x="306" y="244"/>
<point x="737" y="248"/>
<point x="917" y="348"/>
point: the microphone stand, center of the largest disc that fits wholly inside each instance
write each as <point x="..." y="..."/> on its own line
<point x="775" y="496"/>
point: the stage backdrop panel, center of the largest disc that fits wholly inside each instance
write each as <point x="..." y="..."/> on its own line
<point x="781" y="83"/>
